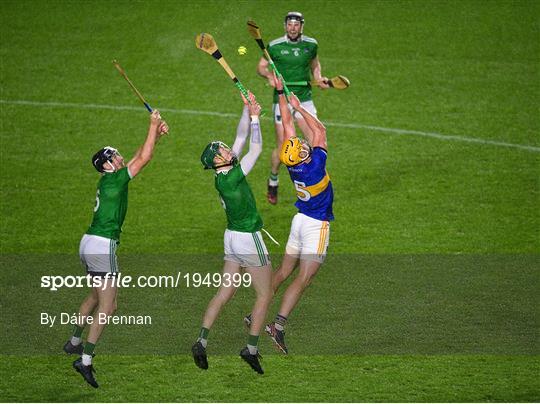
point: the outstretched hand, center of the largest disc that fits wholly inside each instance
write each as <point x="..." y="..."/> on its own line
<point x="278" y="84"/>
<point x="159" y="123"/>
<point x="254" y="107"/>
<point x="163" y="128"/>
<point x="155" y="117"/>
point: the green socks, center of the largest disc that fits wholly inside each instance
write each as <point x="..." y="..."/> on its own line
<point x="252" y="342"/>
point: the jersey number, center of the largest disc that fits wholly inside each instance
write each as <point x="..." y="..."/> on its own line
<point x="97" y="201"/>
<point x="301" y="191"/>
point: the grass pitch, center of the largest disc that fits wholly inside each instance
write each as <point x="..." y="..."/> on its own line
<point x="431" y="289"/>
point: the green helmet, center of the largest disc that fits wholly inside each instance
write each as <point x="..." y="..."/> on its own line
<point x="211" y="151"/>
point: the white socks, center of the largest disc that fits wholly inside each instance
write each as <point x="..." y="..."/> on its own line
<point x="76" y="341"/>
<point x="203" y="342"/>
<point x="86" y="359"/>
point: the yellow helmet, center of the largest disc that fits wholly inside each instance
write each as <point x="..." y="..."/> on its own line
<point x="294" y="151"/>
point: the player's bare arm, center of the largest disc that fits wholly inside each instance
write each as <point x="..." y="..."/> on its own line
<point x="286" y="116"/>
<point x="316" y="126"/>
<point x="264" y="71"/>
<point x="316" y="71"/>
<point x="157" y="128"/>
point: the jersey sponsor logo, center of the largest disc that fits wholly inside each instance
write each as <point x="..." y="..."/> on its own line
<point x="296" y="51"/>
<point x="305" y="193"/>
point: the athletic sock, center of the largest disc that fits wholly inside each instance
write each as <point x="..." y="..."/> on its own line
<point x="75" y="341"/>
<point x="77" y="332"/>
<point x="280" y="322"/>
<point x="273" y="180"/>
<point x="203" y="336"/>
<point x="76" y="338"/>
<point x="87" y="353"/>
<point x="253" y="340"/>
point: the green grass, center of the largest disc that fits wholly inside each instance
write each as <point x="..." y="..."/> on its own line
<point x="352" y="379"/>
<point x="431" y="289"/>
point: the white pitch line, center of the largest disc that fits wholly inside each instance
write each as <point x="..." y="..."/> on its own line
<point x="394" y="131"/>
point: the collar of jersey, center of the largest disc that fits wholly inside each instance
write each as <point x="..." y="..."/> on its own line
<point x="289" y="41"/>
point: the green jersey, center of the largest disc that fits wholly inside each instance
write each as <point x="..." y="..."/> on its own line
<point x="238" y="201"/>
<point x="293" y="61"/>
<point x="111" y="204"/>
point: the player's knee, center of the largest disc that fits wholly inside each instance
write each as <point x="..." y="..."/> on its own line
<point x="222" y="298"/>
<point x="306" y="281"/>
<point x="267" y="294"/>
<point x="93" y="300"/>
<point x="108" y="309"/>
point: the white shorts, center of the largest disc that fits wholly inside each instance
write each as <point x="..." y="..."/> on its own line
<point x="308" y="239"/>
<point x="308" y="105"/>
<point x="98" y="254"/>
<point x="246" y="249"/>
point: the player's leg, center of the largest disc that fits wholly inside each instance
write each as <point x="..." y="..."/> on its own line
<point x="87" y="247"/>
<point x="106" y="307"/>
<point x="276" y="329"/>
<point x="225" y="292"/>
<point x="308" y="269"/>
<point x="261" y="280"/>
<point x="310" y="237"/>
<point x="89" y="304"/>
<point x="314" y="235"/>
<point x="223" y="295"/>
<point x="259" y="268"/>
<point x="99" y="256"/>
<point x="292" y="253"/>
<point x="284" y="271"/>
<point x="289" y="262"/>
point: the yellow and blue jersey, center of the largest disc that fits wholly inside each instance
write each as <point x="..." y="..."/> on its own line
<point x="313" y="186"/>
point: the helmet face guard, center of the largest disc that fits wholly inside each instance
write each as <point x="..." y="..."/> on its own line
<point x="294" y="151"/>
<point x="105" y="155"/>
<point x="212" y="151"/>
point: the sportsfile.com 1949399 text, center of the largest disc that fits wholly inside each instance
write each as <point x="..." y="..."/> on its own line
<point x="187" y="279"/>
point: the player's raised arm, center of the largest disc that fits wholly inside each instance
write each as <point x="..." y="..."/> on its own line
<point x="316" y="126"/>
<point x="264" y="71"/>
<point x="242" y="130"/>
<point x="286" y="116"/>
<point x="255" y="142"/>
<point x="316" y="71"/>
<point x="157" y="128"/>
